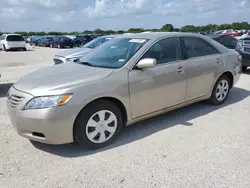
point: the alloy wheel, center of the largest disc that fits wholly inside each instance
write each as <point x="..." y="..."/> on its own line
<point x="222" y="90"/>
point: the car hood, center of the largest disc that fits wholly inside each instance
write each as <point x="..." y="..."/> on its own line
<point x="60" y="77"/>
<point x="77" y="52"/>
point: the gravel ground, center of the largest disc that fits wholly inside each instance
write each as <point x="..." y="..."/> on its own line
<point x="197" y="146"/>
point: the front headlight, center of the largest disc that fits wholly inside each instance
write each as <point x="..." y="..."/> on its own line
<point x="47" y="101"/>
<point x="73" y="59"/>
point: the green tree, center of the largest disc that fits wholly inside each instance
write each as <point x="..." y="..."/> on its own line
<point x="31" y="33"/>
<point x="135" y="30"/>
<point x="154" y="30"/>
<point x="188" y="28"/>
<point x="108" y="32"/>
<point x="23" y="33"/>
<point x="87" y="32"/>
<point x="176" y="29"/>
<point x="120" y="32"/>
<point x="98" y="31"/>
<point x="167" y="28"/>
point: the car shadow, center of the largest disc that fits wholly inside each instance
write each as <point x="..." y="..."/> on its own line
<point x="4" y="89"/>
<point x="246" y="71"/>
<point x="147" y="127"/>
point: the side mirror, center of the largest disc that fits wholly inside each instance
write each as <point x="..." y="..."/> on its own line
<point x="146" y="63"/>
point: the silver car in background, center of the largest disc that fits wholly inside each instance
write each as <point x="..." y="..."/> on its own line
<point x="73" y="55"/>
<point x="130" y="78"/>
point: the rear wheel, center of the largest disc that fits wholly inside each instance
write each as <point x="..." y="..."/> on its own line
<point x="24" y="49"/>
<point x="221" y="90"/>
<point x="98" y="124"/>
<point x="244" y="68"/>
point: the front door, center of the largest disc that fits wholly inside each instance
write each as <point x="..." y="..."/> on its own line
<point x="162" y="86"/>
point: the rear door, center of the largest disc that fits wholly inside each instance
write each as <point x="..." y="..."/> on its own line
<point x="203" y="62"/>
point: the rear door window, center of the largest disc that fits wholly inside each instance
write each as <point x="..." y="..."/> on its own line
<point x="15" y="38"/>
<point x="196" y="47"/>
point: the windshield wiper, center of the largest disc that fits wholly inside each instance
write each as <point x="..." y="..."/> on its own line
<point x="87" y="63"/>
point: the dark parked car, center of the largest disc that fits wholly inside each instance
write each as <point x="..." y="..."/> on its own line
<point x="34" y="40"/>
<point x="228" y="41"/>
<point x="82" y="39"/>
<point x="75" y="54"/>
<point x="46" y="42"/>
<point x="62" y="42"/>
<point x="243" y="47"/>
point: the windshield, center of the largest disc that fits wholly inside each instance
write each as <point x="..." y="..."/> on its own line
<point x="96" y="42"/>
<point x="113" y="54"/>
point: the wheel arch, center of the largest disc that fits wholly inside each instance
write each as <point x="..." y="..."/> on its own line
<point x="114" y="100"/>
<point x="230" y="76"/>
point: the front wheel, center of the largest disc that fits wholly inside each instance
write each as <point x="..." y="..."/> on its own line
<point x="98" y="124"/>
<point x="220" y="90"/>
<point x="4" y="48"/>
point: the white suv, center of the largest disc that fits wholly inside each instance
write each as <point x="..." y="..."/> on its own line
<point x="12" y="41"/>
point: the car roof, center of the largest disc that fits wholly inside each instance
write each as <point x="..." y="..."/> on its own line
<point x="106" y="36"/>
<point x="158" y="35"/>
<point x="12" y="34"/>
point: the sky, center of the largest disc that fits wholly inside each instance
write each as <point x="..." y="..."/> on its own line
<point x="80" y="15"/>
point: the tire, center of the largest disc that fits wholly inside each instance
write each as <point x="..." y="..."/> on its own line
<point x="82" y="130"/>
<point x="24" y="49"/>
<point x="4" y="48"/>
<point x="221" y="90"/>
<point x="244" y="68"/>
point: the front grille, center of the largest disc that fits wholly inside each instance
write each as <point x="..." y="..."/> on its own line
<point x="247" y="42"/>
<point x="15" y="100"/>
<point x="247" y="50"/>
<point x="57" y="61"/>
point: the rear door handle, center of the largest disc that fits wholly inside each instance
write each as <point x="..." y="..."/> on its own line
<point x="180" y="69"/>
<point x="218" y="61"/>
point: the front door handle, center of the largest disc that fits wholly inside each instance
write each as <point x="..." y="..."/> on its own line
<point x="180" y="69"/>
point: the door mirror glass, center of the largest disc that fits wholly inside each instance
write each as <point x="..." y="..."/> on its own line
<point x="146" y="63"/>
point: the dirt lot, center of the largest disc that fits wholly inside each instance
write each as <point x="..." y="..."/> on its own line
<point x="197" y="146"/>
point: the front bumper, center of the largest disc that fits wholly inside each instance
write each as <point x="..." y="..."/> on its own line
<point x="50" y="125"/>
